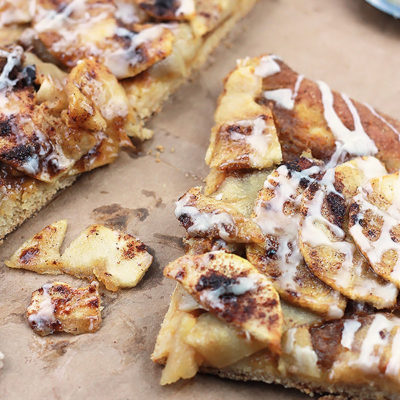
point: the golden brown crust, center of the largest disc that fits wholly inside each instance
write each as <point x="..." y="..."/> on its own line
<point x="309" y="388"/>
<point x="25" y="197"/>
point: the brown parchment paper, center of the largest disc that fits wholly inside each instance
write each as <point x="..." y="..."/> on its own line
<point x="346" y="43"/>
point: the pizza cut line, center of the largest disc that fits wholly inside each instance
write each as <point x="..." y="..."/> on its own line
<point x="315" y="173"/>
<point x="80" y="78"/>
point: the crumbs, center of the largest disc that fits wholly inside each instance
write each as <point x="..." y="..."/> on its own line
<point x="158" y="150"/>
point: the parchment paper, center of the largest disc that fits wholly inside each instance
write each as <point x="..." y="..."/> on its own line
<point x="347" y="43"/>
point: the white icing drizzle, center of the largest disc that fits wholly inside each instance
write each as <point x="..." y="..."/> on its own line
<point x="186" y="7"/>
<point x="16" y="11"/>
<point x="337" y="157"/>
<point x="47" y="153"/>
<point x="297" y="85"/>
<point x="126" y="12"/>
<point x="334" y="311"/>
<point x="382" y="338"/>
<point x="375" y="250"/>
<point x="74" y="24"/>
<point x="241" y="286"/>
<point x="371" y="167"/>
<point x="310" y="232"/>
<point x="333" y="236"/>
<point x="92" y="320"/>
<point x="350" y="328"/>
<point x="31" y="166"/>
<point x="268" y="66"/>
<point x="305" y="358"/>
<point x="220" y="244"/>
<point x="355" y="142"/>
<point x="8" y="107"/>
<point x="45" y="315"/>
<point x="258" y="141"/>
<point x="284" y="228"/>
<point x="393" y="367"/>
<point x="203" y="222"/>
<point x="377" y="115"/>
<point x="53" y="20"/>
<point x="282" y="97"/>
<point x="273" y="221"/>
<point x="13" y="60"/>
<point x="119" y="60"/>
<point x="285" y="98"/>
<point x="373" y="345"/>
<point x="1" y="360"/>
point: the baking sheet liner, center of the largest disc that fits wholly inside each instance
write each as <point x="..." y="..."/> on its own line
<point x="348" y="44"/>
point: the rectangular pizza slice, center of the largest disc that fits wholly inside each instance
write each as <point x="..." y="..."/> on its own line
<point x="79" y="80"/>
<point x="292" y="256"/>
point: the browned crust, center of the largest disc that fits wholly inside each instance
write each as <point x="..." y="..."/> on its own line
<point x="329" y="391"/>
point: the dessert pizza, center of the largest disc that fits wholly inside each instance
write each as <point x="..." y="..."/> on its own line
<point x="79" y="79"/>
<point x="292" y="271"/>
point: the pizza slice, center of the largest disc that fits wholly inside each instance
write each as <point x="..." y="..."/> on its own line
<point x="84" y="78"/>
<point x="54" y="126"/>
<point x="321" y="183"/>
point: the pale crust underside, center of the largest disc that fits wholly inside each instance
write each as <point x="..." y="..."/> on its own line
<point x="241" y="372"/>
<point x="23" y="206"/>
